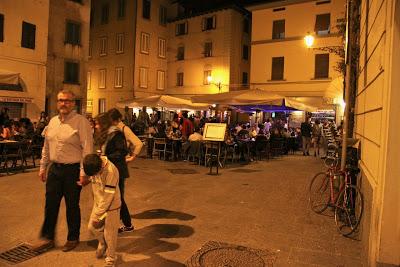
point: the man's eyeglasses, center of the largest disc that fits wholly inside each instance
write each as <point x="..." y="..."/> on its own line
<point x="66" y="101"/>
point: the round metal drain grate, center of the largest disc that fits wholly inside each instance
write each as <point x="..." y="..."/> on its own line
<point x="227" y="257"/>
<point x="218" y="254"/>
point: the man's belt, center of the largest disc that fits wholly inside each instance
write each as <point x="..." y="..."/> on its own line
<point x="63" y="165"/>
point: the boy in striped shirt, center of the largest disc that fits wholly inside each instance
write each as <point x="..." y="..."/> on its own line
<point x="104" y="219"/>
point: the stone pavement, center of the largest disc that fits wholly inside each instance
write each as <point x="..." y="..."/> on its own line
<point x="262" y="205"/>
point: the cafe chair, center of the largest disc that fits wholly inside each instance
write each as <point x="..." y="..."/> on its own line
<point x="161" y="147"/>
<point x="12" y="153"/>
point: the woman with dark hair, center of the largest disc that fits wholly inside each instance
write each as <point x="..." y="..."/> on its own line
<point x="112" y="143"/>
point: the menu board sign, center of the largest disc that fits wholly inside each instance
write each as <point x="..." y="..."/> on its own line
<point x="214" y="131"/>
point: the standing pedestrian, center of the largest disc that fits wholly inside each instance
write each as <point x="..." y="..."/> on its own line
<point x="316" y="136"/>
<point x="104" y="219"/>
<point x="112" y="144"/>
<point x="134" y="146"/>
<point x="68" y="139"/>
<point x="306" y="136"/>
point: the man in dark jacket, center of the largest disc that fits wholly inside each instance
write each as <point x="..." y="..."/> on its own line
<point x="306" y="130"/>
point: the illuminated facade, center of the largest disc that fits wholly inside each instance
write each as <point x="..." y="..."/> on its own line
<point x="377" y="123"/>
<point x="281" y="62"/>
<point x="124" y="63"/>
<point x="214" y="43"/>
<point x="164" y="51"/>
<point x="23" y="55"/>
<point x="67" y="51"/>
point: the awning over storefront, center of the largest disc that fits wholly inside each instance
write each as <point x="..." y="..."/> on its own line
<point x="9" y="77"/>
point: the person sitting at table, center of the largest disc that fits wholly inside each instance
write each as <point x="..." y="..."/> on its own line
<point x="6" y="133"/>
<point x="196" y="136"/>
<point x="253" y="132"/>
<point x="243" y="133"/>
<point x="15" y="129"/>
<point x="160" y="130"/>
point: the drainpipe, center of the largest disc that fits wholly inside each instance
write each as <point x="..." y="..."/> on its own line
<point x="134" y="45"/>
<point x="346" y="87"/>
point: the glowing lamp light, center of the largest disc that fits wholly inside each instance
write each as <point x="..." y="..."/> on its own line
<point x="342" y="104"/>
<point x="209" y="79"/>
<point x="309" y="40"/>
<point x="213" y="105"/>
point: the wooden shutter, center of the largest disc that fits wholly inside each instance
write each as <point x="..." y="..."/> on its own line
<point x="277" y="68"/>
<point x="278" y="30"/>
<point x="322" y="23"/>
<point x="214" y="22"/>
<point x="322" y="66"/>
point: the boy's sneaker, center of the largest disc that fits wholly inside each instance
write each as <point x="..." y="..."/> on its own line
<point x="124" y="229"/>
<point x="101" y="249"/>
<point x="110" y="261"/>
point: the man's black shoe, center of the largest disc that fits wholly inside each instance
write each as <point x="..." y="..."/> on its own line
<point x="70" y="245"/>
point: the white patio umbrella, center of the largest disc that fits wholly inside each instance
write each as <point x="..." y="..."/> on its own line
<point x="163" y="101"/>
<point x="252" y="96"/>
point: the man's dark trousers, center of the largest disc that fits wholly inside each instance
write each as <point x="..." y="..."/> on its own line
<point x="61" y="182"/>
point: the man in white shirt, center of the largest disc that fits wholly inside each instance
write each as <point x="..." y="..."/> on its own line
<point x="68" y="139"/>
<point x="196" y="136"/>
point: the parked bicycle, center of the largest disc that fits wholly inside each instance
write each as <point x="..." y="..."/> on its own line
<point x="336" y="189"/>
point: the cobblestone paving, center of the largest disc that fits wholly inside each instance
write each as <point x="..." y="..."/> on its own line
<point x="264" y="207"/>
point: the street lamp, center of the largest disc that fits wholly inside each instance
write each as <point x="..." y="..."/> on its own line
<point x="218" y="84"/>
<point x="309" y="40"/>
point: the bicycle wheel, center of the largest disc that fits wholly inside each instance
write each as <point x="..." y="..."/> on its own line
<point x="319" y="192"/>
<point x="331" y="161"/>
<point x="349" y="209"/>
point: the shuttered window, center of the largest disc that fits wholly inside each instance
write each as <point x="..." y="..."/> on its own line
<point x="104" y="13"/>
<point x="181" y="28"/>
<point x="208" y="49"/>
<point x="160" y="80"/>
<point x="278" y="29"/>
<point x="277" y="68"/>
<point x="145" y="43"/>
<point x="71" y="72"/>
<point x="321" y="66"/>
<point x="207" y="73"/>
<point x="179" y="79"/>
<point x="146" y="9"/>
<point x="118" y="77"/>
<point x="143" y="77"/>
<point x="121" y="8"/>
<point x="162" y="15"/>
<point x="73" y="33"/>
<point x="28" y="35"/>
<point x="120" y="43"/>
<point x="181" y="53"/>
<point x="102" y="105"/>
<point x="102" y="78"/>
<point x="88" y="80"/>
<point x="323" y="24"/>
<point x="103" y="46"/>
<point x="245" y="78"/>
<point x="161" y="48"/>
<point x="209" y="23"/>
<point x="245" y="55"/>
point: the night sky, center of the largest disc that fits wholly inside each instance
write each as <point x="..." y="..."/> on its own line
<point x="201" y="5"/>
